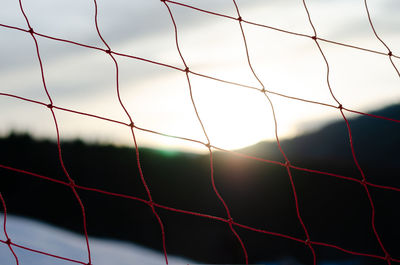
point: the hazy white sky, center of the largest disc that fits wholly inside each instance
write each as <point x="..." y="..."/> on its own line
<point x="158" y="98"/>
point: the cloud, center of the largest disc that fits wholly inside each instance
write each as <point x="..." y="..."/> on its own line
<point x="84" y="79"/>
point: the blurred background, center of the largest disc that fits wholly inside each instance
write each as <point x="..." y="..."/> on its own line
<point x="101" y="154"/>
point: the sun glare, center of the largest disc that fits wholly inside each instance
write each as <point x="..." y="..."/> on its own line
<point x="233" y="117"/>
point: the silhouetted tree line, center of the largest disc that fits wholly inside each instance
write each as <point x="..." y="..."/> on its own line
<point x="258" y="194"/>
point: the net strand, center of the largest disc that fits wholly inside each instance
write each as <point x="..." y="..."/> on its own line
<point x="199" y="74"/>
<point x="279" y="29"/>
<point x="208" y="145"/>
<point x="123" y="123"/>
<point x="389" y="54"/>
<point x="50" y="106"/>
<point x="287" y="163"/>
<point x="186" y="72"/>
<point x="246" y="47"/>
<point x="350" y="139"/>
<point x="8" y="240"/>
<point x="216" y="147"/>
<point x="131" y="124"/>
<point x="233" y="18"/>
<point x="44" y="253"/>
<point x="366" y="189"/>
<point x="216" y="218"/>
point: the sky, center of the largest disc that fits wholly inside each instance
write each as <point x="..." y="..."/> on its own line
<point x="158" y="98"/>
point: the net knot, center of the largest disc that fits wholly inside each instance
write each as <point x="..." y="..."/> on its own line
<point x="8" y="241"/>
<point x="208" y="145"/>
<point x="108" y="51"/>
<point x="390" y="53"/>
<point x="131" y="124"/>
<point x="31" y="31"/>
<point x="307" y="242"/>
<point x="187" y="69"/>
<point x="240" y="19"/>
<point x="230" y="220"/>
<point x="314" y="37"/>
<point x="340" y="106"/>
<point x="263" y="90"/>
<point x="387" y="257"/>
<point x="50" y="106"/>
<point x="150" y="203"/>
<point x="363" y="182"/>
<point x="72" y="183"/>
<point x="287" y="164"/>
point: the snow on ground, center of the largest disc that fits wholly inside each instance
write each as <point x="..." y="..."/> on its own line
<point x="61" y="242"/>
<point x="47" y="238"/>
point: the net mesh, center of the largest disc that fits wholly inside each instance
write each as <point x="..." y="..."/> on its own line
<point x="228" y="219"/>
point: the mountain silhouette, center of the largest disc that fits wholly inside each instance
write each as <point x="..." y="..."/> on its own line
<point x="258" y="194"/>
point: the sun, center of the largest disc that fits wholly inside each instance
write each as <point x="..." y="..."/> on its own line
<point x="233" y="116"/>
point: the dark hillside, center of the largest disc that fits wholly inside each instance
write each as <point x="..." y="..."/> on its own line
<point x="259" y="194"/>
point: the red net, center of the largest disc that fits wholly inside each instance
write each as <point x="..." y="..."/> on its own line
<point x="185" y="69"/>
